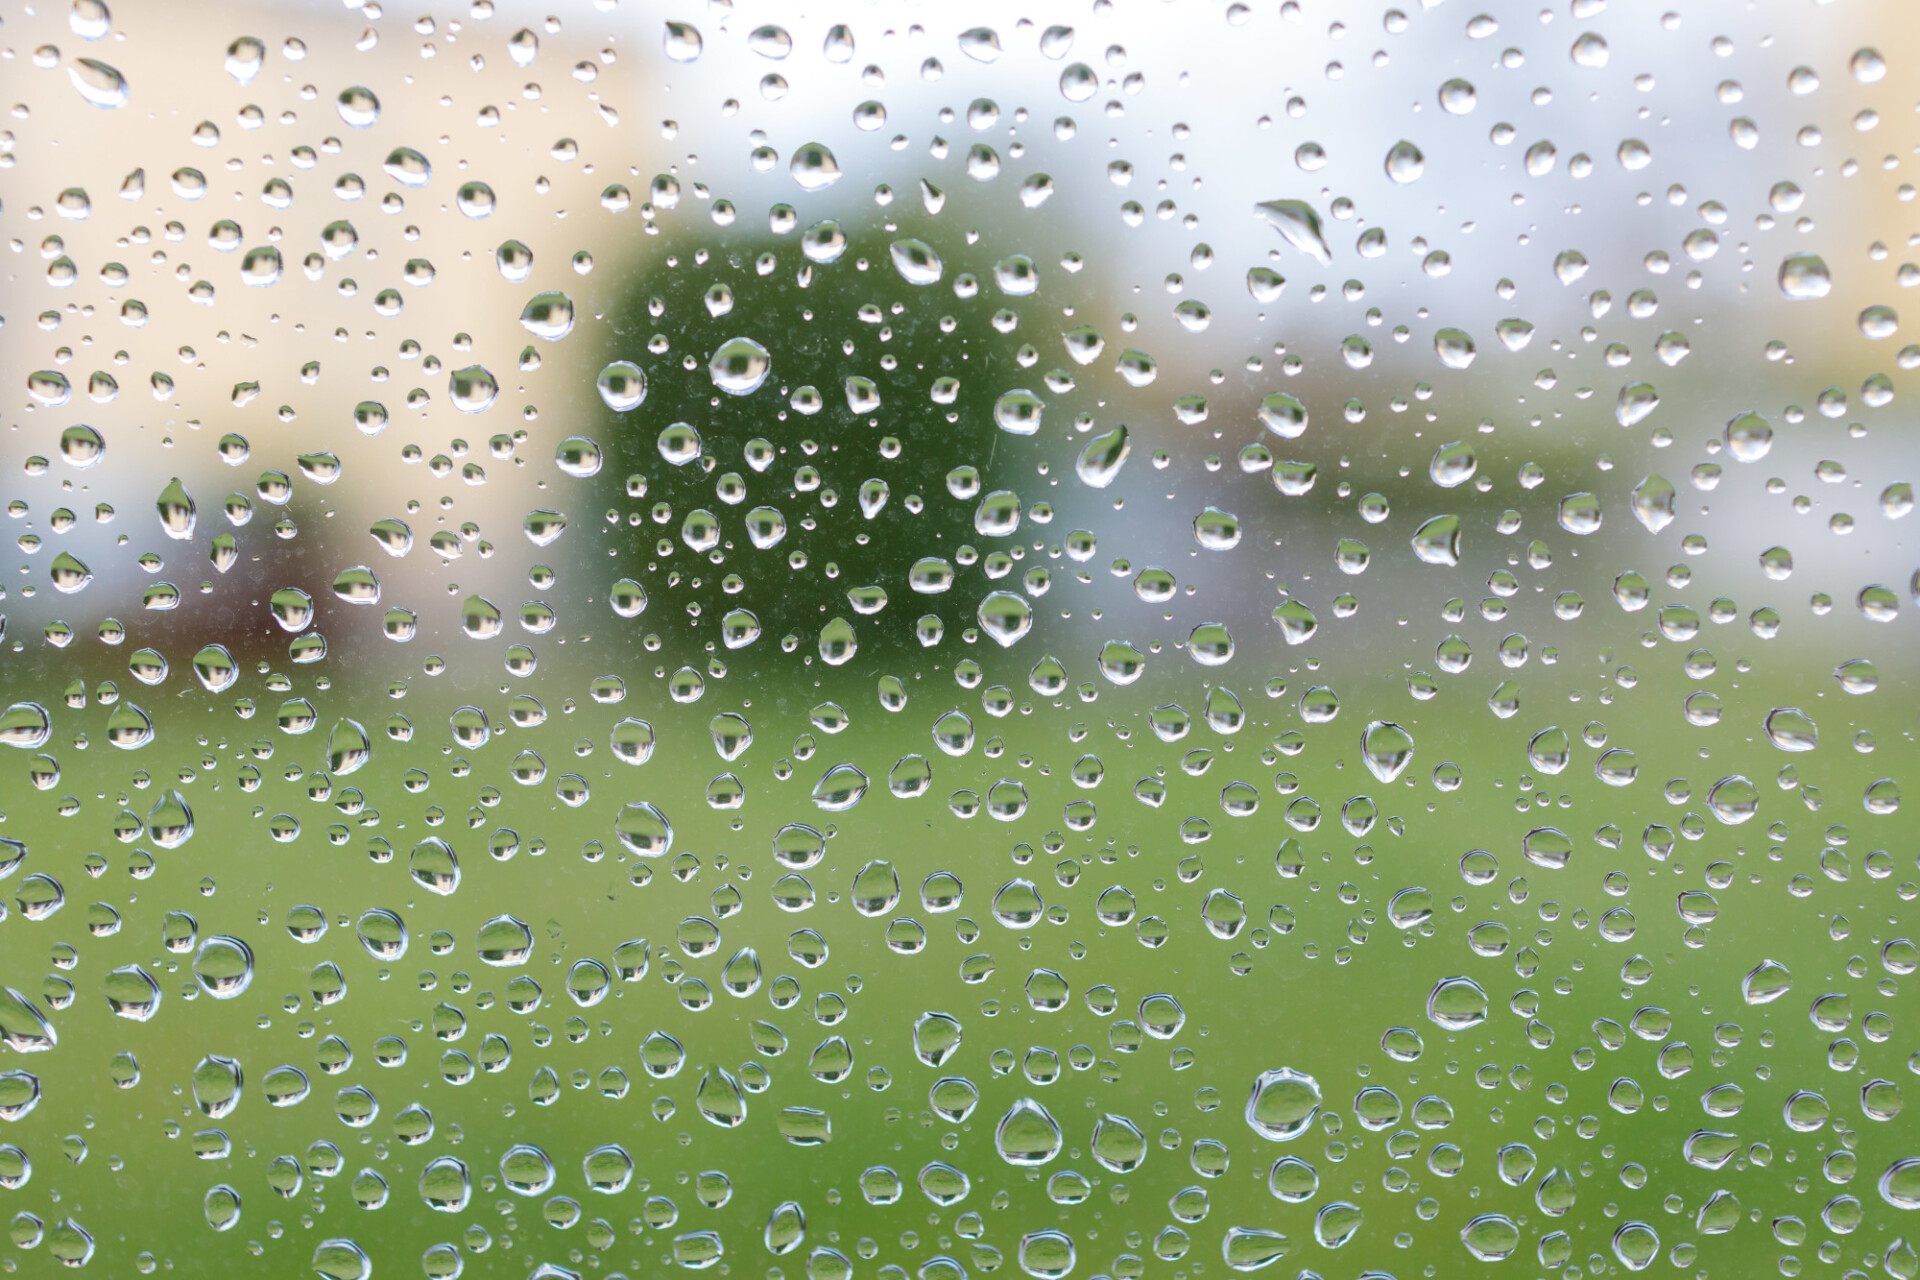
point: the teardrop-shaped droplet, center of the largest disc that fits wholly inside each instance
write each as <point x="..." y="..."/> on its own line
<point x="719" y="1099"/>
<point x="916" y="261"/>
<point x="1437" y="541"/>
<point x="1118" y="1145"/>
<point x="170" y="821"/>
<point x="1101" y="460"/>
<point x="1027" y="1136"/>
<point x="1405" y="163"/>
<point x="176" y="510"/>
<point x="99" y="83"/>
<point x="1387" y="748"/>
<point x="69" y="573"/>
<point x="1766" y="982"/>
<point x="1299" y="225"/>
<point x="1005" y="616"/>
<point x="1653" y="503"/>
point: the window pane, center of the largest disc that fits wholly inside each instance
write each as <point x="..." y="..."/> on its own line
<point x="918" y="640"/>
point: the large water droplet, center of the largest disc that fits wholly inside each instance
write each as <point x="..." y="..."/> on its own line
<point x="739" y="366"/>
<point x="1005" y="616"/>
<point x="472" y="389"/>
<point x="1733" y="799"/>
<point x="1100" y="462"/>
<point x="813" y="166"/>
<point x="1299" y="225"/>
<point x="1804" y="276"/>
<point x="1387" y="749"/>
<point x="1491" y="1237"/>
<point x="1282" y="1104"/>
<point x="82" y="446"/>
<point x="1766" y="982"/>
<point x="719" y="1099"/>
<point x="1457" y="1004"/>
<point x="916" y="261"/>
<point x="643" y="830"/>
<point x="682" y="41"/>
<point x="1028" y="1135"/>
<point x="1282" y="413"/>
<point x="548" y="315"/>
<point x="1792" y="729"/>
<point x="1118" y="1145"/>
<point x="358" y="106"/>
<point x="1405" y="163"/>
<point x="1437" y="541"/>
<point x="98" y="83"/>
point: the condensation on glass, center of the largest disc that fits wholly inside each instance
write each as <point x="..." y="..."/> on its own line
<point x="1108" y="640"/>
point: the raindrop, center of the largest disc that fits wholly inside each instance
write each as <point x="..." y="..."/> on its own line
<point x="1299" y="225"/>
<point x="739" y="366"/>
<point x="1405" y="164"/>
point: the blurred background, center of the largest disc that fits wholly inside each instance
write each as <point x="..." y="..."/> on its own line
<point x="517" y="512"/>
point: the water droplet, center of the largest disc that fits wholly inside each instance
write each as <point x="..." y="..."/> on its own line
<point x="1100" y="462"/>
<point x="1457" y="1004"/>
<point x="1857" y="676"/>
<point x="472" y="389"/>
<point x="1491" y="1237"/>
<point x="1733" y="800"/>
<point x="1766" y="982"/>
<point x="1437" y="541"/>
<point x="916" y="261"/>
<point x="1005" y="616"/>
<point x="1589" y="50"/>
<point x="840" y="788"/>
<point x="1027" y="1136"/>
<point x="1216" y="530"/>
<point x="1387" y="749"/>
<point x="1299" y="225"/>
<point x="82" y="446"/>
<point x="813" y="167"/>
<point x="1548" y="847"/>
<point x="341" y="1259"/>
<point x="358" y="106"/>
<point x="1792" y="729"/>
<point x="739" y="366"/>
<point x="1804" y="276"/>
<point x="1018" y="412"/>
<point x="1454" y="347"/>
<point x="1405" y="164"/>
<point x="1879" y="322"/>
<point x="643" y="830"/>
<point x="1282" y="413"/>
<point x="548" y="315"/>
<point x="1283" y="1104"/>
<point x="1636" y="402"/>
<point x="681" y="41"/>
<point x="98" y="83"/>
<point x="1579" y="513"/>
<point x="622" y="386"/>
